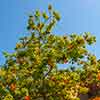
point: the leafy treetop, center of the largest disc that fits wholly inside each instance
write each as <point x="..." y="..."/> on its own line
<point x="31" y="72"/>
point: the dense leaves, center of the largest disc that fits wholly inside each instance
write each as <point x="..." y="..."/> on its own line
<point x="31" y="72"/>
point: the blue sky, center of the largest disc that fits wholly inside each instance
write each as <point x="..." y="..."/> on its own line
<point x="77" y="16"/>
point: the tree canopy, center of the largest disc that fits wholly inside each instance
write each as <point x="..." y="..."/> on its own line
<point x="31" y="72"/>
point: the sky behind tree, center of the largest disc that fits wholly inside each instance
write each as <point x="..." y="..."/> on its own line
<point x="77" y="16"/>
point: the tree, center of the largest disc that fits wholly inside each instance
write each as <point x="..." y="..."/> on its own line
<point x="31" y="72"/>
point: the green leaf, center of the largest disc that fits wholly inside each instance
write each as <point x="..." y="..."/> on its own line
<point x="56" y="15"/>
<point x="6" y="54"/>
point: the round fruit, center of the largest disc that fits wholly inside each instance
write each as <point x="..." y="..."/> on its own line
<point x="98" y="76"/>
<point x="13" y="86"/>
<point x="70" y="46"/>
<point x="65" y="81"/>
<point x="96" y="98"/>
<point x="27" y="97"/>
<point x="53" y="78"/>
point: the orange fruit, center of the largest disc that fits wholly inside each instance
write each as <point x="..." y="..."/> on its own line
<point x="70" y="46"/>
<point x="65" y="81"/>
<point x="96" y="98"/>
<point x="13" y="86"/>
<point x="27" y="97"/>
<point x="53" y="78"/>
<point x="98" y="76"/>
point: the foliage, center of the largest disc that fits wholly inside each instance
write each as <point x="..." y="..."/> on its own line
<point x="31" y="72"/>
